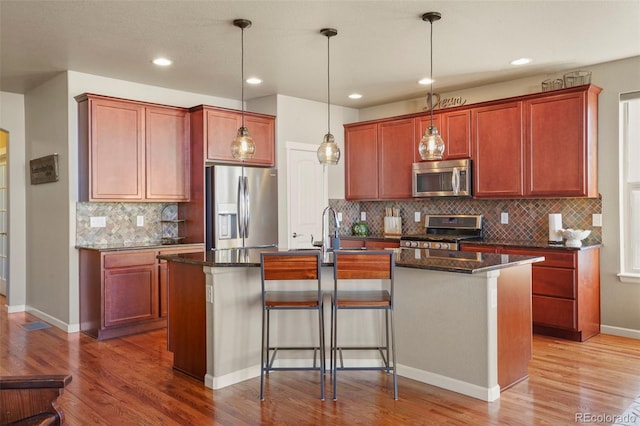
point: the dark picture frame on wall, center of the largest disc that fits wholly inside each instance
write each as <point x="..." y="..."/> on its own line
<point x="44" y="169"/>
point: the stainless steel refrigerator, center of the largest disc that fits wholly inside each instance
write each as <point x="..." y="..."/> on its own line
<point x="242" y="207"/>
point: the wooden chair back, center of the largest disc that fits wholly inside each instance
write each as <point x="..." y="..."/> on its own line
<point x="290" y="265"/>
<point x="31" y="400"/>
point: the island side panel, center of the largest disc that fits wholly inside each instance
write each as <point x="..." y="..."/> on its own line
<point x="514" y="325"/>
<point x="186" y="333"/>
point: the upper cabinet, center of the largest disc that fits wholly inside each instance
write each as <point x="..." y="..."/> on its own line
<point x="378" y="159"/>
<point x="132" y="151"/>
<point x="560" y="144"/>
<point x="455" y="129"/>
<point x="216" y="127"/>
<point x="497" y="150"/>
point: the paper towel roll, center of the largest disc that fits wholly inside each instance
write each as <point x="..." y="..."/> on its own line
<point x="555" y="224"/>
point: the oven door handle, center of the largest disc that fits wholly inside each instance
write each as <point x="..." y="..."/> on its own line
<point x="455" y="181"/>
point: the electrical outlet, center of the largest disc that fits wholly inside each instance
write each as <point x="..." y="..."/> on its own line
<point x="339" y="216"/>
<point x="140" y="220"/>
<point x="363" y="216"/>
<point x="97" y="222"/>
<point x="504" y="218"/>
<point x="596" y="219"/>
<point x="416" y="217"/>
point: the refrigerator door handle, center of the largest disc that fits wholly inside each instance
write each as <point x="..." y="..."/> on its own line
<point x="247" y="209"/>
<point x="240" y="203"/>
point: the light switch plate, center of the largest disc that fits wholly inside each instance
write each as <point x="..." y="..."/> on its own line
<point x="140" y="220"/>
<point x="97" y="222"/>
<point x="596" y="219"/>
<point x="363" y="216"/>
<point x="416" y="217"/>
<point x="504" y="218"/>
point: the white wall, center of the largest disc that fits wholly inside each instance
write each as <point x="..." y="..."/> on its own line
<point x="12" y="119"/>
<point x="620" y="304"/>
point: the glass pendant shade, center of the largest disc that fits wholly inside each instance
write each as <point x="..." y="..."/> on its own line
<point x="431" y="145"/>
<point x="242" y="146"/>
<point x="328" y="151"/>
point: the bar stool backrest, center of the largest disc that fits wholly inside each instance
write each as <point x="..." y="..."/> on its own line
<point x="363" y="265"/>
<point x="290" y="266"/>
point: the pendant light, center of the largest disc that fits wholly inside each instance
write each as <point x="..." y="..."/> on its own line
<point x="431" y="145"/>
<point x="242" y="146"/>
<point x="328" y="151"/>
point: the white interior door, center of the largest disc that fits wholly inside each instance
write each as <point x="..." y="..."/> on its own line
<point x="307" y="195"/>
<point x="4" y="213"/>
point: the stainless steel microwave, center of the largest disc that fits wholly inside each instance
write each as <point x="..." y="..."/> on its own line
<point x="449" y="178"/>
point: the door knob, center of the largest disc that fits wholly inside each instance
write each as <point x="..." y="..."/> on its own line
<point x="296" y="235"/>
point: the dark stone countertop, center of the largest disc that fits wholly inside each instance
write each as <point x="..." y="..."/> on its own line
<point x="542" y="244"/>
<point x="436" y="260"/>
<point x="138" y="246"/>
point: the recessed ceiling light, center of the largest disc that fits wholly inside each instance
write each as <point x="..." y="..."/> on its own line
<point x="520" y="61"/>
<point x="425" y="81"/>
<point x="163" y="62"/>
<point x="254" y="80"/>
<point x="355" y="96"/>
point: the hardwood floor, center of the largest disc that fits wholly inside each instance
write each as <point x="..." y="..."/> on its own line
<point x="129" y="381"/>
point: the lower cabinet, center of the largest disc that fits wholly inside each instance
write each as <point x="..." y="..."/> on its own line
<point x="565" y="289"/>
<point x="123" y="292"/>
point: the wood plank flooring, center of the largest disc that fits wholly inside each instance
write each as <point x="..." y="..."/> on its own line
<point x="129" y="381"/>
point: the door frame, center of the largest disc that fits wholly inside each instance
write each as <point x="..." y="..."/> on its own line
<point x="299" y="146"/>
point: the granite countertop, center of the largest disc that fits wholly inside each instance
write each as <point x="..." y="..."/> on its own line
<point x="543" y="244"/>
<point x="133" y="245"/>
<point x="437" y="260"/>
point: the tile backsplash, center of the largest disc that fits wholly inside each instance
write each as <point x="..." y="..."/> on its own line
<point x="528" y="218"/>
<point x="121" y="222"/>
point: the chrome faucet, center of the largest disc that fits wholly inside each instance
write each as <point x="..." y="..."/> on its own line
<point x="327" y="241"/>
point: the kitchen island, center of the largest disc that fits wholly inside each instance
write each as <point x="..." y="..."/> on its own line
<point x="463" y="320"/>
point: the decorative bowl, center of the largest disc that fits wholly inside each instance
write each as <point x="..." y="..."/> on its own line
<point x="574" y="237"/>
<point x="360" y="229"/>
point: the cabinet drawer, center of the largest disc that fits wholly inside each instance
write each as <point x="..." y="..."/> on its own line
<point x="554" y="312"/>
<point x="180" y="250"/>
<point x="482" y="248"/>
<point x="351" y="244"/>
<point x="554" y="258"/>
<point x="553" y="282"/>
<point x="130" y="258"/>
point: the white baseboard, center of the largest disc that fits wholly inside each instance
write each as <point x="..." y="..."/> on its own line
<point x="220" y="382"/>
<point x="619" y="331"/>
<point x="69" y="328"/>
<point x="16" y="308"/>
<point x="455" y="385"/>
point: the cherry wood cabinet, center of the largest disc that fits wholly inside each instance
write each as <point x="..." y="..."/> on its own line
<point x="132" y="151"/>
<point x="560" y="142"/>
<point x="565" y="289"/>
<point x="364" y="243"/>
<point x="378" y="159"/>
<point x="124" y="292"/>
<point x="455" y="129"/>
<point x="217" y="127"/>
<point x="498" y="156"/>
<point x="361" y="162"/>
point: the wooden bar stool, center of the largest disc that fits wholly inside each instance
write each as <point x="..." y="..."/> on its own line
<point x="303" y="266"/>
<point x="364" y="265"/>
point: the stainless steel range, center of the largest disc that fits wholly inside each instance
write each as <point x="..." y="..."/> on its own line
<point x="445" y="232"/>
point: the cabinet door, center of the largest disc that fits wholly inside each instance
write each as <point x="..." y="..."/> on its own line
<point x="556" y="142"/>
<point x="168" y="157"/>
<point x="130" y="295"/>
<point x="395" y="147"/>
<point x="456" y="130"/>
<point x="422" y="123"/>
<point x="497" y="150"/>
<point x="361" y="162"/>
<point x="221" y="128"/>
<point x="116" y="150"/>
<point x="262" y="130"/>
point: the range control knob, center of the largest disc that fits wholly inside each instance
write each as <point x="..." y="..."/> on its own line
<point x="444" y="245"/>
<point x="437" y="245"/>
<point x="414" y="244"/>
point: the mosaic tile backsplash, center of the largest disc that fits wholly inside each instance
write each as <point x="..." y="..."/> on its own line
<point x="121" y="223"/>
<point x="528" y="218"/>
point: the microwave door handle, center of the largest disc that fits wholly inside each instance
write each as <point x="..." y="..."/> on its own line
<point x="455" y="181"/>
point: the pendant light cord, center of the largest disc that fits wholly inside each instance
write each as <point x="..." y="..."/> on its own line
<point x="328" y="87"/>
<point x="242" y="71"/>
<point x="431" y="70"/>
